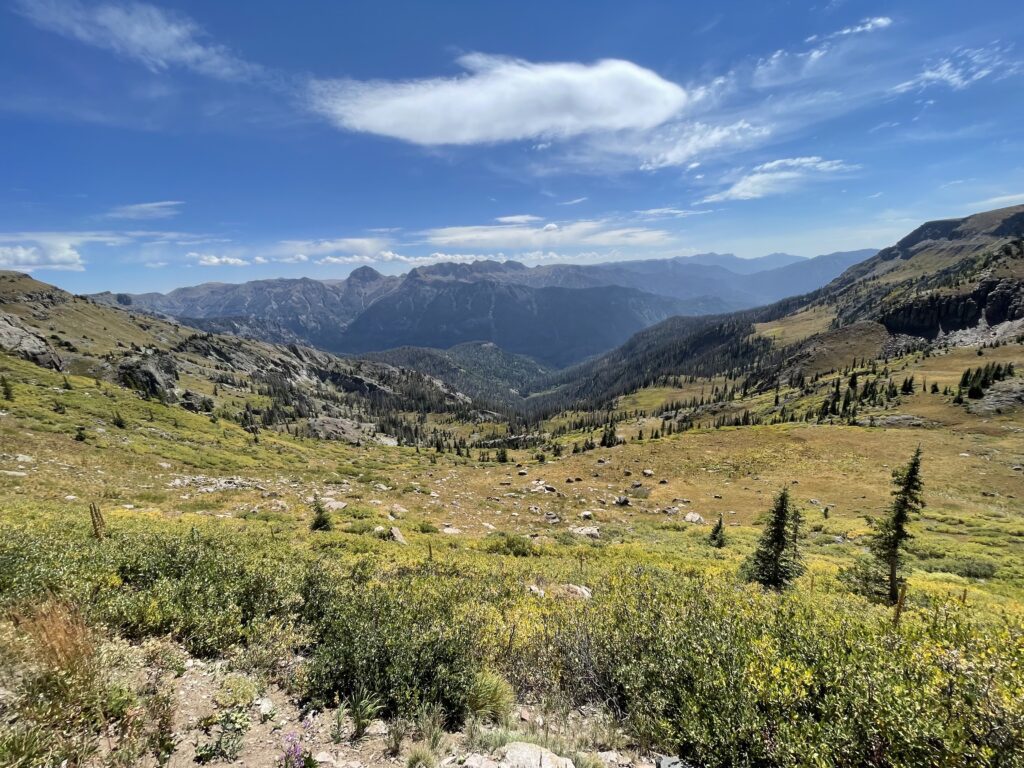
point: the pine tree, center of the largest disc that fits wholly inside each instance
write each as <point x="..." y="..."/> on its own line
<point x="717" y="537"/>
<point x="5" y="386"/>
<point x="891" y="535"/>
<point x="321" y="517"/>
<point x="776" y="562"/>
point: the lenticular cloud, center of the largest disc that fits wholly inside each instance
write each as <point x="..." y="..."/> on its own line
<point x="502" y="99"/>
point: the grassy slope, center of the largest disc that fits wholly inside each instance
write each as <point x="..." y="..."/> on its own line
<point x="846" y="467"/>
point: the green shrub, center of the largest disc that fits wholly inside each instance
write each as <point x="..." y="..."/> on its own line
<point x="706" y="671"/>
<point x="503" y="543"/>
<point x="408" y="638"/>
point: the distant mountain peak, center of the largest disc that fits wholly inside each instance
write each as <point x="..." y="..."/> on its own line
<point x="365" y="275"/>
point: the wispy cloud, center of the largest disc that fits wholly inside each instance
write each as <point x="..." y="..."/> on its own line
<point x="157" y="38"/>
<point x="778" y="176"/>
<point x="669" y="213"/>
<point x="868" y="25"/>
<point x="965" y="67"/>
<point x="522" y="218"/>
<point x="164" y="209"/>
<point x="999" y="201"/>
<point x="502" y="99"/>
<point x="572" y="234"/>
<point x="574" y="201"/>
<point x="297" y="251"/>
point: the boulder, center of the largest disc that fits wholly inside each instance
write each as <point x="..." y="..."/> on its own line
<point x="396" y="536"/>
<point x="476" y="760"/>
<point x="587" y="531"/>
<point x="152" y="375"/>
<point x="520" y="754"/>
<point x="16" y="339"/>
<point x="693" y="517"/>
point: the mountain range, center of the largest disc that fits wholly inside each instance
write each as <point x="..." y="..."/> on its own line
<point x="556" y="314"/>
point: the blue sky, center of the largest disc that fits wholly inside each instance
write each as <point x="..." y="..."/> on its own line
<point x="147" y="146"/>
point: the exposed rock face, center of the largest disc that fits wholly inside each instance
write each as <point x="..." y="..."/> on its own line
<point x="152" y="375"/>
<point x="993" y="300"/>
<point x="16" y="339"/>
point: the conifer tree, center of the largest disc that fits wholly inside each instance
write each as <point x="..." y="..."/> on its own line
<point x="776" y="561"/>
<point x="891" y="535"/>
<point x="717" y="537"/>
<point x="321" y="517"/>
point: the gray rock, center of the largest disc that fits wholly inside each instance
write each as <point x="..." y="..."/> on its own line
<point x="396" y="536"/>
<point x="520" y="754"/>
<point x="16" y="339"/>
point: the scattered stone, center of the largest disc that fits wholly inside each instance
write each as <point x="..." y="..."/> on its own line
<point x="621" y="501"/>
<point x="476" y="760"/>
<point x="451" y="530"/>
<point x="693" y="517"/>
<point x="13" y="473"/>
<point x="587" y="531"/>
<point x="586" y="514"/>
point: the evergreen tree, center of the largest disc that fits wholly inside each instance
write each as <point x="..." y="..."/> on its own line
<point x="776" y="561"/>
<point x="321" y="517"/>
<point x="717" y="537"/>
<point x="891" y="535"/>
<point x="5" y="386"/>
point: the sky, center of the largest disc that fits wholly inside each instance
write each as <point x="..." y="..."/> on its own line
<point x="149" y="146"/>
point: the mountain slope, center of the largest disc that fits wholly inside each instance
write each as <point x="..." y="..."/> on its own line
<point x="556" y="326"/>
<point x="257" y="384"/>
<point x="452" y="303"/>
<point x="955" y="281"/>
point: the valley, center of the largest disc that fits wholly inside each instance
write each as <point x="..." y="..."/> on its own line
<point x="221" y="545"/>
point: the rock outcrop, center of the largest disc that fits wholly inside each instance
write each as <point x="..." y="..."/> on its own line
<point x="16" y="339"/>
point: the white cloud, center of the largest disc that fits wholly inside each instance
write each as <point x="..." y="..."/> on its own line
<point x="669" y="213"/>
<point x="679" y="144"/>
<point x="30" y="251"/>
<point x="213" y="260"/>
<point x="155" y="264"/>
<point x="297" y="258"/>
<point x="295" y="251"/>
<point x="575" y="201"/>
<point x="778" y="176"/>
<point x="868" y="25"/>
<point x="503" y="99"/>
<point x="164" y="209"/>
<point x="156" y="38"/>
<point x="574" y="234"/>
<point x="965" y="67"/>
<point x="522" y="218"/>
<point x="785" y="67"/>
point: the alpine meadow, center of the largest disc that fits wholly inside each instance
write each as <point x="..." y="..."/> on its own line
<point x="438" y="386"/>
